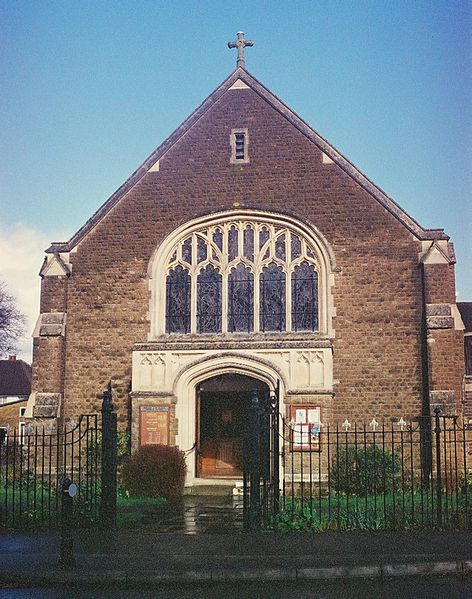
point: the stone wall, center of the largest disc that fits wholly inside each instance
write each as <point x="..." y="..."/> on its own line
<point x="377" y="291"/>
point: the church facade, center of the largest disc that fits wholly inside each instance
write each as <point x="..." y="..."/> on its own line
<point x="246" y="253"/>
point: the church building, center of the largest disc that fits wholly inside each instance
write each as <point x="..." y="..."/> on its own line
<point x="246" y="253"/>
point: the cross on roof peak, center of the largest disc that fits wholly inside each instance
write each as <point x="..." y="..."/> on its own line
<point x="240" y="44"/>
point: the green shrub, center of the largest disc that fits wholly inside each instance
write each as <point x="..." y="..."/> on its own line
<point x="155" y="471"/>
<point x="364" y="470"/>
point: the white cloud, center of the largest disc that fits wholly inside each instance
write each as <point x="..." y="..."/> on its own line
<point x="21" y="255"/>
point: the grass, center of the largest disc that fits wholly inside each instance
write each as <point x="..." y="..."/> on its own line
<point x="374" y="512"/>
<point x="39" y="508"/>
<point x="131" y="511"/>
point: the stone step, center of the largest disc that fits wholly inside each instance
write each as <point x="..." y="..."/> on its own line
<point x="224" y="490"/>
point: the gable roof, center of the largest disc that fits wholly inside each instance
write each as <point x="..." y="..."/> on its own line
<point x="237" y="76"/>
<point x="15" y="377"/>
<point x="465" y="309"/>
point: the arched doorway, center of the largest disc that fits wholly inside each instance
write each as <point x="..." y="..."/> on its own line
<point x="222" y="417"/>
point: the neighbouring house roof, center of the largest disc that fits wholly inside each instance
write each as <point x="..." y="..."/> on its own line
<point x="15" y="377"/>
<point x="240" y="77"/>
<point x="465" y="308"/>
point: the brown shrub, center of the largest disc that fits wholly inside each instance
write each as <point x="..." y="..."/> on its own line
<point x="155" y="471"/>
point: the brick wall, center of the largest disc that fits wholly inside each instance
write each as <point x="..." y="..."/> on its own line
<point x="377" y="293"/>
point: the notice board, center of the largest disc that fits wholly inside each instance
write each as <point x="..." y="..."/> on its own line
<point x="305" y="422"/>
<point x="154" y="425"/>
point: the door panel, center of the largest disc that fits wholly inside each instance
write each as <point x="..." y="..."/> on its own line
<point x="222" y="420"/>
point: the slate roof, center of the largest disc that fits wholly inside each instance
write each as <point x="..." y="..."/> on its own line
<point x="294" y="119"/>
<point x="15" y="377"/>
<point x="465" y="308"/>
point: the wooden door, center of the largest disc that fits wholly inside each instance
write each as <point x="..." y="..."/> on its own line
<point x="221" y="422"/>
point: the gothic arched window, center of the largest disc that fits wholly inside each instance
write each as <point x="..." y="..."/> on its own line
<point x="241" y="276"/>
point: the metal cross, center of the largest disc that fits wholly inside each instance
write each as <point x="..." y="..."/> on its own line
<point x="240" y="44"/>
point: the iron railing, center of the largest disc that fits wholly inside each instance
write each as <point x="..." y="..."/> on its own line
<point x="33" y="465"/>
<point x="378" y="475"/>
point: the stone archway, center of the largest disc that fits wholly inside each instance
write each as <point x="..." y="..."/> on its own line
<point x="245" y="371"/>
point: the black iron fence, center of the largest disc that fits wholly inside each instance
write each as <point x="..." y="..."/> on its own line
<point x="35" y="462"/>
<point x="377" y="475"/>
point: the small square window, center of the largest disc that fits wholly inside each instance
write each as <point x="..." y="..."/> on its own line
<point x="239" y="140"/>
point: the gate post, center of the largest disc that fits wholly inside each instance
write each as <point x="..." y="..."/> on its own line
<point x="274" y="408"/>
<point x="437" y="431"/>
<point x="109" y="461"/>
<point x="254" y="465"/>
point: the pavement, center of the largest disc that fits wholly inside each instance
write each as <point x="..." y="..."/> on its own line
<point x="140" y="558"/>
<point x="201" y="542"/>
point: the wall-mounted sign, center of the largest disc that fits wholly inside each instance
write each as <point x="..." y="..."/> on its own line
<point x="154" y="425"/>
<point x="305" y="422"/>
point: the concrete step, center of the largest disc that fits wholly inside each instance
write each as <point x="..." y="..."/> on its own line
<point x="223" y="490"/>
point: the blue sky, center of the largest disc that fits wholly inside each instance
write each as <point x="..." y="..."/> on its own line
<point x="90" y="89"/>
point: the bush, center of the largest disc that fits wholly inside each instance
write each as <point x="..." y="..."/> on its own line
<point x="364" y="470"/>
<point x="155" y="471"/>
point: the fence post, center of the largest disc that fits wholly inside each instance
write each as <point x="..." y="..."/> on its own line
<point x="437" y="431"/>
<point x="274" y="409"/>
<point x="254" y="464"/>
<point x="68" y="491"/>
<point x="109" y="462"/>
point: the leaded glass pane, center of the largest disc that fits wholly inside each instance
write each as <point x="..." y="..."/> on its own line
<point x="272" y="299"/>
<point x="232" y="243"/>
<point x="187" y="251"/>
<point x="218" y="241"/>
<point x="249" y="243"/>
<point x="201" y="250"/>
<point x="240" y="299"/>
<point x="296" y="246"/>
<point x="178" y="301"/>
<point x="305" y="298"/>
<point x="209" y="300"/>
<point x="280" y="247"/>
<point x="263" y="238"/>
<point x="218" y="238"/>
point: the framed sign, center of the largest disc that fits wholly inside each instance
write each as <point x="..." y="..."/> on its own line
<point x="305" y="424"/>
<point x="154" y="425"/>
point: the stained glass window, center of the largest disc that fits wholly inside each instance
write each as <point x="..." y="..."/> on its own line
<point x="272" y="299"/>
<point x="178" y="301"/>
<point x="304" y="298"/>
<point x="240" y="300"/>
<point x="239" y="258"/>
<point x="209" y="300"/>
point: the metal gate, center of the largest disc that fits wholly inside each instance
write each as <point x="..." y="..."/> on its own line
<point x="35" y="461"/>
<point x="261" y="486"/>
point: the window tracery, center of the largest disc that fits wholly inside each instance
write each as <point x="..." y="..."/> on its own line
<point x="241" y="276"/>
